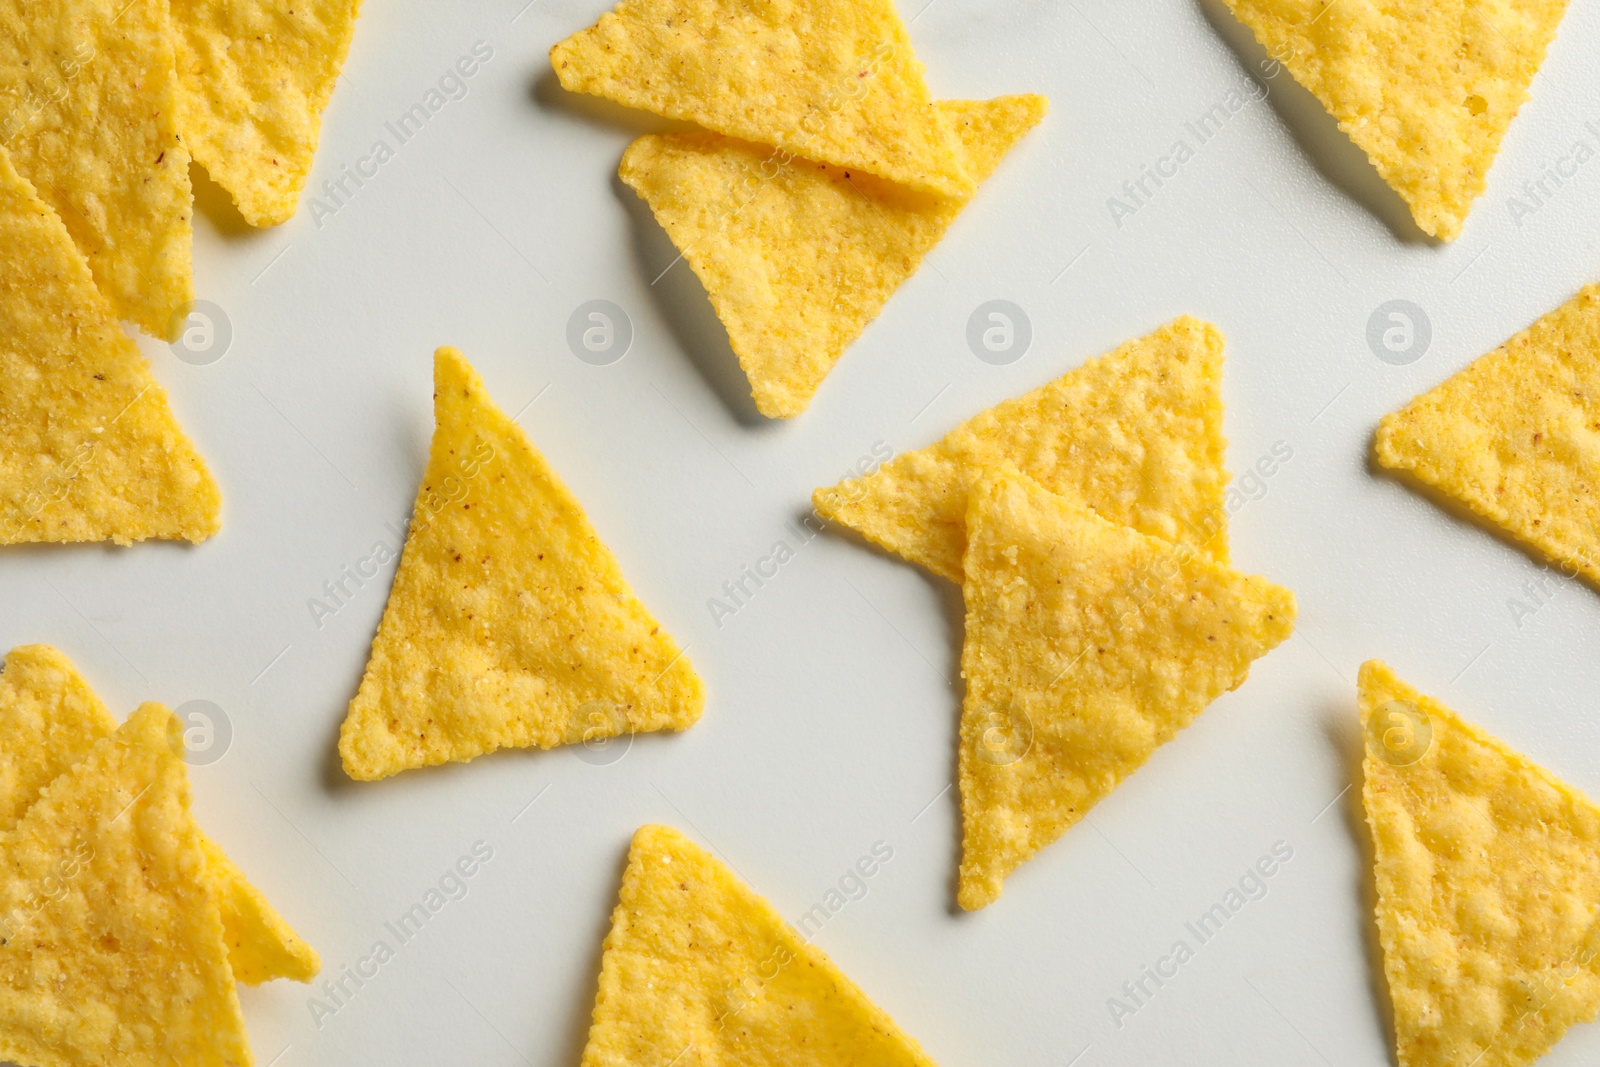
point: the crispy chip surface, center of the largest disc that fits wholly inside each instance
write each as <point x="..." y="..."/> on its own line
<point x="798" y="260"/>
<point x="829" y="80"/>
<point x="1488" y="880"/>
<point x="509" y="624"/>
<point x="699" y="970"/>
<point x="1088" y="646"/>
<point x="1426" y="90"/>
<point x="112" y="949"/>
<point x="1515" y="437"/>
<point x="252" y="82"/>
<point x="89" y="450"/>
<point x="1136" y="434"/>
<point x="88" y="105"/>
<point x="49" y="721"/>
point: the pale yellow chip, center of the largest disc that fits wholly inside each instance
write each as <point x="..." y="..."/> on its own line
<point x="797" y="260"/>
<point x="88" y="100"/>
<point x="509" y="624"/>
<point x="1515" y="437"/>
<point x="1425" y="89"/>
<point x="699" y="971"/>
<point x="1488" y="880"/>
<point x="110" y="944"/>
<point x="1136" y="434"/>
<point x="252" y="82"/>
<point x="829" y="80"/>
<point x="89" y="450"/>
<point x="1088" y="646"/>
<point x="49" y="721"/>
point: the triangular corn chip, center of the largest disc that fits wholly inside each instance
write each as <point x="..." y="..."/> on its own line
<point x="699" y="970"/>
<point x="829" y="80"/>
<point x="509" y="624"/>
<point x="1425" y="89"/>
<point x="49" y="721"/>
<point x="1513" y="437"/>
<point x="1088" y="646"/>
<point x="88" y="100"/>
<point x="1136" y="434"/>
<point x="89" y="450"/>
<point x="798" y="260"/>
<point x="252" y="82"/>
<point x="1488" y="880"/>
<point x="110" y="945"/>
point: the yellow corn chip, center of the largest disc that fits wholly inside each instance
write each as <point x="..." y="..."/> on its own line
<point x="699" y="970"/>
<point x="88" y="112"/>
<point x="1488" y="879"/>
<point x="1425" y="89"/>
<point x="829" y="80"/>
<point x="1136" y="434"/>
<point x="112" y="950"/>
<point x="252" y="82"/>
<point x="1089" y="645"/>
<point x="89" y="450"/>
<point x="798" y="260"/>
<point x="509" y="624"/>
<point x="49" y="721"/>
<point x="1515" y="437"/>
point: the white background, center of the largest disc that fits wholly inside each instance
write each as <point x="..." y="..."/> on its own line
<point x="834" y="693"/>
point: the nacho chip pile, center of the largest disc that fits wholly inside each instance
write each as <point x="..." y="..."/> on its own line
<point x="828" y="174"/>
<point x="1087" y="523"/>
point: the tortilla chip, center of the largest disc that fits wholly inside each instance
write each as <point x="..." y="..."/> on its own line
<point x="699" y="970"/>
<point x="1136" y="434"/>
<point x="111" y="950"/>
<point x="1089" y="645"/>
<point x="1488" y="879"/>
<point x="252" y="82"/>
<point x="89" y="450"/>
<point x="1515" y="437"/>
<point x="49" y="721"/>
<point x="88" y="103"/>
<point x="830" y="80"/>
<point x="1426" y="90"/>
<point x="509" y="624"/>
<point x="797" y="261"/>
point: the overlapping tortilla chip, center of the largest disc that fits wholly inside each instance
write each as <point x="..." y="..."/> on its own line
<point x="509" y="623"/>
<point x="1515" y="437"/>
<point x="700" y="970"/>
<point x="1426" y="90"/>
<point x="252" y="82"/>
<point x="89" y="450"/>
<point x="111" y="951"/>
<point x="1488" y="881"/>
<point x="88" y="101"/>
<point x="829" y="80"/>
<point x="1136" y="434"/>
<point x="798" y="259"/>
<point x="1088" y="646"/>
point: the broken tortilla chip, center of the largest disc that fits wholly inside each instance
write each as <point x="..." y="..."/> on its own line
<point x="509" y="624"/>
<point x="252" y="82"/>
<point x="112" y="949"/>
<point x="1515" y="437"/>
<point x="88" y="101"/>
<point x="89" y="450"/>
<point x="1088" y="646"/>
<point x="830" y="80"/>
<point x="49" y="721"/>
<point x="698" y="969"/>
<point x="1136" y="434"/>
<point x="1488" y="885"/>
<point x="798" y="259"/>
<point x="1426" y="90"/>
